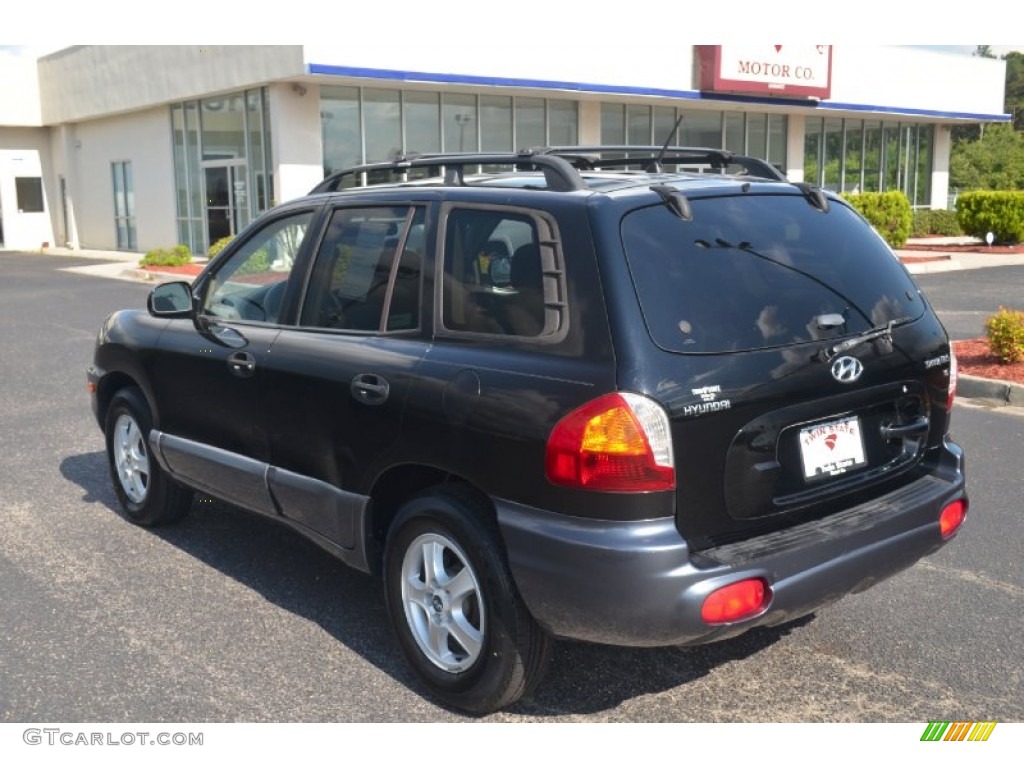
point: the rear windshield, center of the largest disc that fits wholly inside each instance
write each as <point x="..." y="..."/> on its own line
<point x="760" y="271"/>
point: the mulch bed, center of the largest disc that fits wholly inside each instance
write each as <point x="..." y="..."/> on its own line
<point x="969" y="248"/>
<point x="975" y="359"/>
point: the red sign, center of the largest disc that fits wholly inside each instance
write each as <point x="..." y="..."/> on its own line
<point x="792" y="71"/>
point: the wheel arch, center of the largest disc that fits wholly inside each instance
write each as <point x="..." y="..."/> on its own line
<point x="109" y="386"/>
<point x="397" y="485"/>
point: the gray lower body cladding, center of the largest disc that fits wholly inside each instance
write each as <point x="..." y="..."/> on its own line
<point x="638" y="584"/>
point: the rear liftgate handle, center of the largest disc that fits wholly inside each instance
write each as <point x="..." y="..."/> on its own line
<point x="370" y="388"/>
<point x="895" y="432"/>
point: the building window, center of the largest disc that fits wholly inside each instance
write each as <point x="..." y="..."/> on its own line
<point x="29" y="191"/>
<point x="124" y="206"/>
<point x="854" y="156"/>
<point x="370" y="125"/>
<point x="757" y="135"/>
<point x="231" y="130"/>
<point x="460" y="124"/>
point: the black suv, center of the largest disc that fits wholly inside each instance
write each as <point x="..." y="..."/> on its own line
<point x="630" y="395"/>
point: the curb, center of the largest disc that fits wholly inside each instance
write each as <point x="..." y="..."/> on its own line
<point x="1000" y="392"/>
<point x="149" y="276"/>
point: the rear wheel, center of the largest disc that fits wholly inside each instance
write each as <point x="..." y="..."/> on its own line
<point x="459" y="619"/>
<point x="147" y="495"/>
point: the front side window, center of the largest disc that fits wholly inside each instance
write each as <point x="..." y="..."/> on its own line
<point x="501" y="274"/>
<point x="367" y="273"/>
<point x="250" y="285"/>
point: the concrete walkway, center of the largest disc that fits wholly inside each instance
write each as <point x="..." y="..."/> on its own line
<point x="118" y="265"/>
<point x="920" y="262"/>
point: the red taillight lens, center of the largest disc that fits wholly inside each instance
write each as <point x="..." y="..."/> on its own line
<point x="952" y="517"/>
<point x="618" y="442"/>
<point x="953" y="373"/>
<point x="736" y="601"/>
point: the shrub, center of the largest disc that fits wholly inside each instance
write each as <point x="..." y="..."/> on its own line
<point x="1006" y="335"/>
<point x="888" y="212"/>
<point x="256" y="264"/>
<point x="162" y="257"/>
<point x="219" y="246"/>
<point x="935" y="222"/>
<point x="1001" y="213"/>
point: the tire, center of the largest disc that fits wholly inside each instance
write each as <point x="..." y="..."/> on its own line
<point x="459" y="619"/>
<point x="146" y="494"/>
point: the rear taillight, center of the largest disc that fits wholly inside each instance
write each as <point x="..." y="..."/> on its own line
<point x="952" y="517"/>
<point x="736" y="601"/>
<point x="618" y="442"/>
<point x="953" y="372"/>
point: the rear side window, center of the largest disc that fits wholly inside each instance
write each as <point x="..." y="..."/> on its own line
<point x="502" y="274"/>
<point x="367" y="272"/>
<point x="757" y="271"/>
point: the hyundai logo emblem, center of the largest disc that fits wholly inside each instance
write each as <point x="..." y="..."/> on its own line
<point x="847" y="369"/>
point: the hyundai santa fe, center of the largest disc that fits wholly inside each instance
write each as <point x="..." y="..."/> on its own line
<point x="639" y="396"/>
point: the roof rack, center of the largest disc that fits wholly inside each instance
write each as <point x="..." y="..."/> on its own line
<point x="561" y="166"/>
<point x="559" y="174"/>
<point x="653" y="158"/>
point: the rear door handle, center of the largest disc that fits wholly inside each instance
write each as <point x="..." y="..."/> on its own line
<point x="370" y="388"/>
<point x="242" y="364"/>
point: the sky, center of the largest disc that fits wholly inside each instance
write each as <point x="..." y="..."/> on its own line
<point x="35" y="51"/>
<point x="48" y="25"/>
<point x="580" y="27"/>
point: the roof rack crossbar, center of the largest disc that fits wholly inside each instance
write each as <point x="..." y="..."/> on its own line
<point x="651" y="157"/>
<point x="559" y="174"/>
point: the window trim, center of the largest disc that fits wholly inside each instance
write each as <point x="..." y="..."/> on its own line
<point x="549" y="244"/>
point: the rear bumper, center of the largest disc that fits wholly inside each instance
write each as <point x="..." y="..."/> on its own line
<point x="638" y="584"/>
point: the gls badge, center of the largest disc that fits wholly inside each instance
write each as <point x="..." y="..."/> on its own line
<point x="847" y="369"/>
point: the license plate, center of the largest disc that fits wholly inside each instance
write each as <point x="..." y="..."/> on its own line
<point x="831" y="449"/>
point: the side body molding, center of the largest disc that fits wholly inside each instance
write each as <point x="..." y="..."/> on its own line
<point x="332" y="518"/>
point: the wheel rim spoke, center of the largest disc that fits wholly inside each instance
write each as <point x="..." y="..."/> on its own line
<point x="131" y="459"/>
<point x="461" y="585"/>
<point x="468" y="636"/>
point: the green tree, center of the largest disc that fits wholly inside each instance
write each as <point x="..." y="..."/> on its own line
<point x="995" y="161"/>
<point x="1014" y="103"/>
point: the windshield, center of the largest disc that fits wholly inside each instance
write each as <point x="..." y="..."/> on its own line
<point x="760" y="271"/>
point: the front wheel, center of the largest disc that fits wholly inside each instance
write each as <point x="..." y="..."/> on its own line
<point x="147" y="495"/>
<point x="459" y="619"/>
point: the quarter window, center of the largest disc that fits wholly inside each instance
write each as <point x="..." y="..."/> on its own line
<point x="501" y="275"/>
<point x="251" y="284"/>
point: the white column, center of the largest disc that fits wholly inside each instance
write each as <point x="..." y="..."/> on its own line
<point x="590" y="122"/>
<point x="64" y="157"/>
<point x="940" y="166"/>
<point x="296" y="141"/>
<point x="795" y="148"/>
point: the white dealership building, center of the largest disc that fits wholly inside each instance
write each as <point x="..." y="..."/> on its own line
<point x="139" y="147"/>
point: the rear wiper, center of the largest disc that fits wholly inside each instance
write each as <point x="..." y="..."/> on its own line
<point x="882" y="332"/>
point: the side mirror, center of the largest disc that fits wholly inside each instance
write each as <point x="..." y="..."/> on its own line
<point x="171" y="300"/>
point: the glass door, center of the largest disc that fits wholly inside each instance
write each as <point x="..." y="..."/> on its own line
<point x="226" y="200"/>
